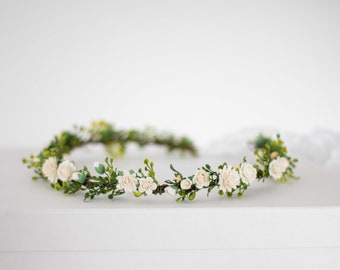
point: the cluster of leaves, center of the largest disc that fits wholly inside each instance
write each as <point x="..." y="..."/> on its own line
<point x="266" y="150"/>
<point x="114" y="141"/>
<point x="106" y="181"/>
<point x="94" y="185"/>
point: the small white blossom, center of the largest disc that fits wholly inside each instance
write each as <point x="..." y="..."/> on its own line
<point x="66" y="170"/>
<point x="201" y="179"/>
<point x="275" y="170"/>
<point x="171" y="191"/>
<point x="284" y="163"/>
<point x="247" y="172"/>
<point x="186" y="184"/>
<point x="147" y="185"/>
<point x="127" y="182"/>
<point x="75" y="176"/>
<point x="277" y="167"/>
<point x="49" y="169"/>
<point x="229" y="179"/>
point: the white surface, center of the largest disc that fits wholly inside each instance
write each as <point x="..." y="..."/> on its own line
<point x="201" y="68"/>
<point x="171" y="238"/>
<point x="272" y="226"/>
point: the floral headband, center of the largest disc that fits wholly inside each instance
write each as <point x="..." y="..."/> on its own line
<point x="272" y="161"/>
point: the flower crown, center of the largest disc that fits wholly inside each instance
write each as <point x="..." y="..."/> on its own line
<point x="272" y="161"/>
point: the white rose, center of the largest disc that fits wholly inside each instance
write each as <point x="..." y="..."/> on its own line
<point x="201" y="179"/>
<point x="284" y="163"/>
<point x="49" y="169"/>
<point x="66" y="170"/>
<point x="277" y="167"/>
<point x="171" y="191"/>
<point x="229" y="178"/>
<point x="247" y="172"/>
<point x="147" y="185"/>
<point x="127" y="182"/>
<point x="186" y="184"/>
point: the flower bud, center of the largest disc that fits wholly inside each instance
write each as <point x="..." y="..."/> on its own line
<point x="274" y="155"/>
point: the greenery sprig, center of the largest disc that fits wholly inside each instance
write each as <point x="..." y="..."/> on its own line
<point x="272" y="161"/>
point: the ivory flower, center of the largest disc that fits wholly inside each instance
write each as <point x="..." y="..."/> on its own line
<point x="229" y="178"/>
<point x="201" y="179"/>
<point x="49" y="169"/>
<point x="284" y="163"/>
<point x="171" y="191"/>
<point x="66" y="170"/>
<point x="147" y="185"/>
<point x="247" y="172"/>
<point x="186" y="184"/>
<point x="127" y="182"/>
<point x="277" y="167"/>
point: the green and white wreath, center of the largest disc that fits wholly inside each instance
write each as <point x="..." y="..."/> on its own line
<point x="272" y="162"/>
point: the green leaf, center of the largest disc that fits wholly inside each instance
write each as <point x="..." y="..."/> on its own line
<point x="210" y="189"/>
<point x="100" y="169"/>
<point x="192" y="195"/>
<point x="151" y="174"/>
<point x="81" y="178"/>
<point x="138" y="194"/>
<point x="57" y="186"/>
<point x="182" y="192"/>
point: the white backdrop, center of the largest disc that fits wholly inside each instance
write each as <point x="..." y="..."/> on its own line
<point x="201" y="68"/>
